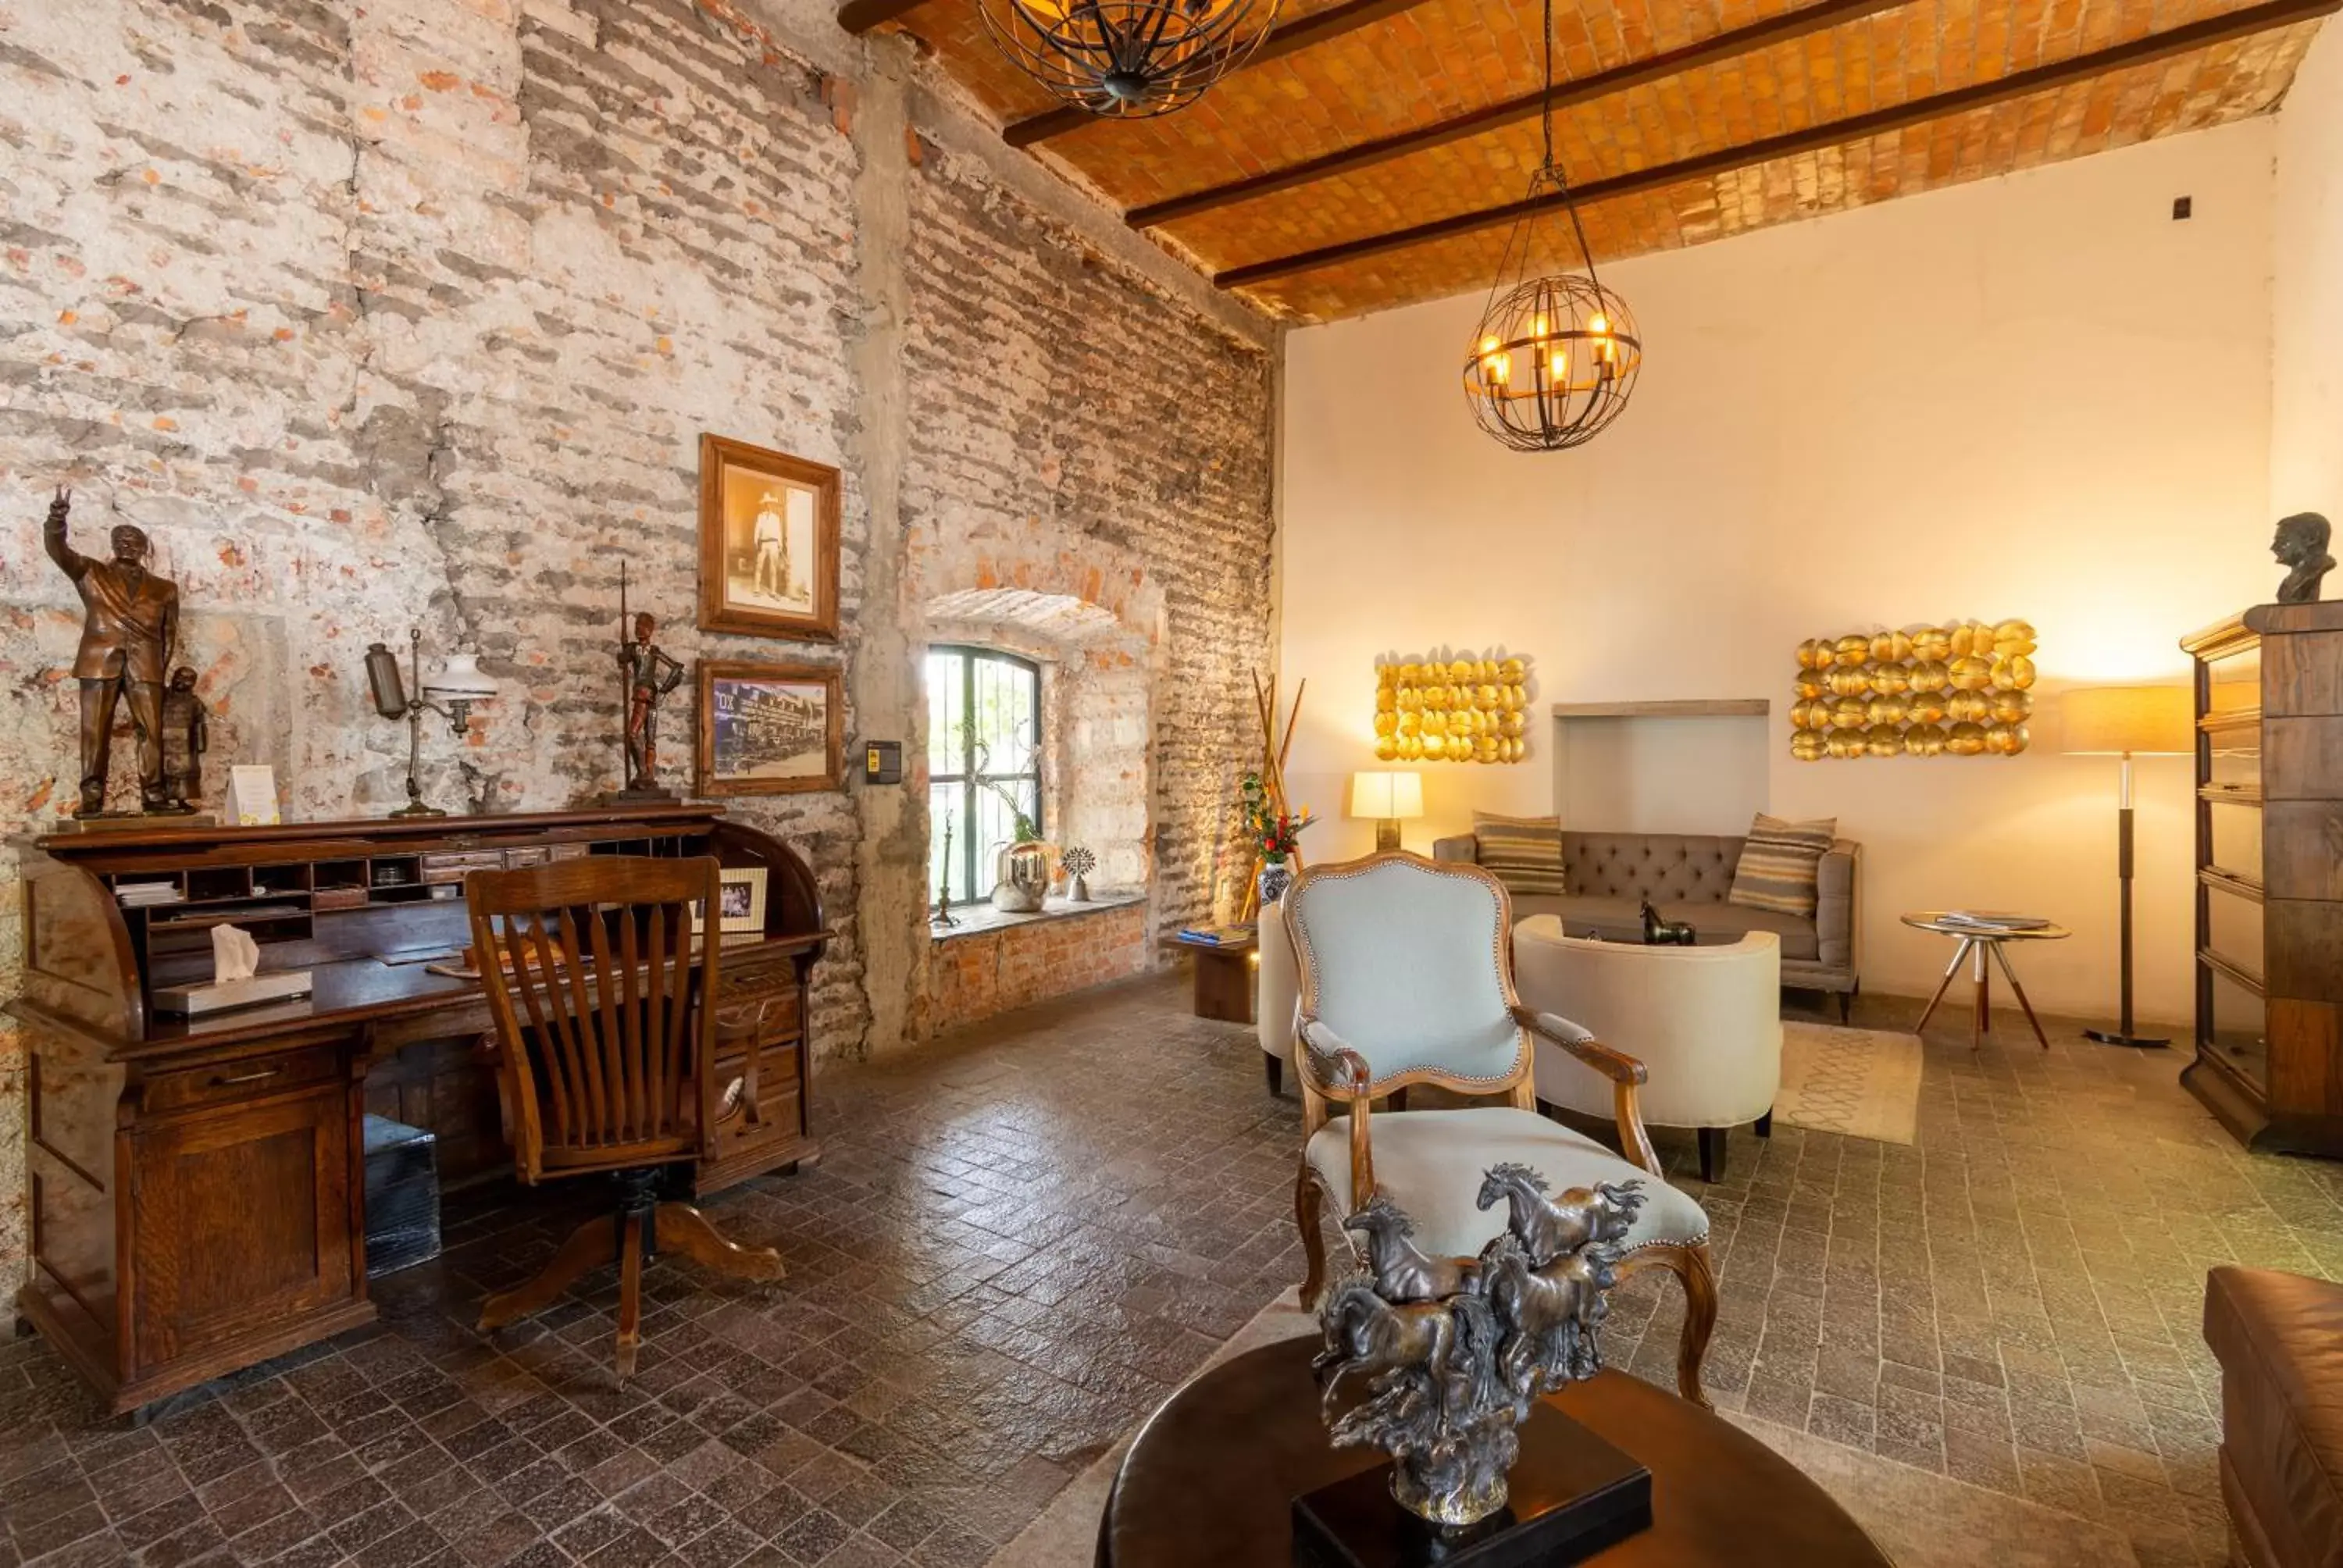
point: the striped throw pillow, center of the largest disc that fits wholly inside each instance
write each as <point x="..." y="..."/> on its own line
<point x="1522" y="852"/>
<point x="1780" y="862"/>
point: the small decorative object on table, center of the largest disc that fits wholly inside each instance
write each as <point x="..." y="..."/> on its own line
<point x="646" y="674"/>
<point x="1661" y="933"/>
<point x="943" y="915"/>
<point x="1079" y="863"/>
<point x="1020" y="876"/>
<point x="1276" y="835"/>
<point x="450" y="694"/>
<point x="2301" y="545"/>
<point x="1456" y="1352"/>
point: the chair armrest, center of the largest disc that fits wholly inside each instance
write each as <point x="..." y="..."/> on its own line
<point x="1615" y="1065"/>
<point x="1463" y="846"/>
<point x="1322" y="1048"/>
<point x="1835" y="912"/>
<point x="1624" y="1072"/>
<point x="1323" y="1055"/>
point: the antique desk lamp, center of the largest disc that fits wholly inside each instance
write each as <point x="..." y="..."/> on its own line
<point x="2126" y="721"/>
<point x="1390" y="799"/>
<point x="450" y="694"/>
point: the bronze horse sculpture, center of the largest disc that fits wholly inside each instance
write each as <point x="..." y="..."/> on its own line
<point x="1402" y="1271"/>
<point x="1455" y="1350"/>
<point x="1601" y="1215"/>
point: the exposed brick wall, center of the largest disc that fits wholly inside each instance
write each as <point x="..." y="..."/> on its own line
<point x="411" y="312"/>
<point x="976" y="975"/>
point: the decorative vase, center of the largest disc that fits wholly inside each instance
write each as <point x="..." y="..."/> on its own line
<point x="1276" y="876"/>
<point x="1020" y="876"/>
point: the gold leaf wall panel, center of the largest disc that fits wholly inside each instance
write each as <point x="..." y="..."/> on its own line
<point x="1964" y="690"/>
<point x="1452" y="710"/>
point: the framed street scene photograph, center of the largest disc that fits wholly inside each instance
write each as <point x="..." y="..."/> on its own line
<point x="768" y="542"/>
<point x="769" y="728"/>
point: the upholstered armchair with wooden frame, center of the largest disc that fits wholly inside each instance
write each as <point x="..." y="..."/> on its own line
<point x="606" y="1029"/>
<point x="1407" y="978"/>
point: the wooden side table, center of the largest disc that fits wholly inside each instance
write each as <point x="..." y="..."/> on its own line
<point x="1975" y="942"/>
<point x="1224" y="979"/>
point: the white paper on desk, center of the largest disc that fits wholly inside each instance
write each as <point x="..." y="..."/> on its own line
<point x="235" y="955"/>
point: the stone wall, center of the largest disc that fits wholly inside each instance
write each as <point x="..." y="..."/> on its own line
<point x="411" y="314"/>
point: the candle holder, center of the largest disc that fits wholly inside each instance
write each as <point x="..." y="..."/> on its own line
<point x="452" y="695"/>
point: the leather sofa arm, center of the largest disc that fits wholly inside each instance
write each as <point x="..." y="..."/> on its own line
<point x="1835" y="912"/>
<point x="1463" y="846"/>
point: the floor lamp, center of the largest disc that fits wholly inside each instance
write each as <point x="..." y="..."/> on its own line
<point x="2126" y="721"/>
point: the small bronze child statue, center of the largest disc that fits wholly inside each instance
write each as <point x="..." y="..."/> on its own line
<point x="130" y="620"/>
<point x="2301" y="544"/>
<point x="186" y="736"/>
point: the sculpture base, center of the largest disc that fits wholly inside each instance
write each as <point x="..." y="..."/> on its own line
<point x="1572" y="1495"/>
<point x="654" y="796"/>
<point x="115" y="821"/>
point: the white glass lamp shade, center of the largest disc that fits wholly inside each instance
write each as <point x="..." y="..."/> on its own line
<point x="459" y="678"/>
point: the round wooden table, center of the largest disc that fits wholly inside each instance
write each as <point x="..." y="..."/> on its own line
<point x="1209" y="1479"/>
<point x="1975" y="942"/>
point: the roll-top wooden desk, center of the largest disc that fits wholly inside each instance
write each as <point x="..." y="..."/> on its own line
<point x="197" y="1187"/>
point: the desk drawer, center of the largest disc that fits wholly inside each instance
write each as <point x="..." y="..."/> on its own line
<point x="227" y="1081"/>
<point x="771" y="1016"/>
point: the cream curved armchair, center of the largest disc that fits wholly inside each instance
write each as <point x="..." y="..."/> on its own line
<point x="1273" y="1012"/>
<point x="1406" y="978"/>
<point x="1704" y="1021"/>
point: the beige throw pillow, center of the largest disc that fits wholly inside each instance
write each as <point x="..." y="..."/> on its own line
<point x="1522" y="852"/>
<point x="1780" y="865"/>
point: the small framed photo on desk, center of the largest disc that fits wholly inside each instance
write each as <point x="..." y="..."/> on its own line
<point x="739" y="902"/>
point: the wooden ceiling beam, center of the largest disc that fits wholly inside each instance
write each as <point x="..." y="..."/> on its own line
<point x="1782" y="29"/>
<point x="859" y="16"/>
<point x="2143" y="51"/>
<point x="1291" y="37"/>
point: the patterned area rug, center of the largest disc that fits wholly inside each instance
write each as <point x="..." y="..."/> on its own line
<point x="1859" y="1082"/>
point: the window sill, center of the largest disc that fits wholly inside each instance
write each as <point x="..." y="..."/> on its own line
<point x="978" y="919"/>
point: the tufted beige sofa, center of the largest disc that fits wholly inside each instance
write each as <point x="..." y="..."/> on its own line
<point x="1687" y="878"/>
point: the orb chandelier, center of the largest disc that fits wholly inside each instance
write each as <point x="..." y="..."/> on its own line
<point x="1127" y="59"/>
<point x="1556" y="355"/>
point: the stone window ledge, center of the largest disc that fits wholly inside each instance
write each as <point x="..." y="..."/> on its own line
<point x="978" y="919"/>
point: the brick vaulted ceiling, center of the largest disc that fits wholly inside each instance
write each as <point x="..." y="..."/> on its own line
<point x="1379" y="150"/>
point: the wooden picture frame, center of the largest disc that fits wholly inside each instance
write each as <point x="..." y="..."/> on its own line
<point x="736" y="757"/>
<point x="784" y="584"/>
<point x="741" y="885"/>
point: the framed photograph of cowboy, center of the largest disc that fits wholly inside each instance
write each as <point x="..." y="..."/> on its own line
<point x="768" y="542"/>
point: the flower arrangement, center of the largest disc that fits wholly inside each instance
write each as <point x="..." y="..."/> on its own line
<point x="1274" y="832"/>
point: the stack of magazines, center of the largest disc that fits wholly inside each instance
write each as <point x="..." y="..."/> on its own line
<point x="1991" y="920"/>
<point x="1216" y="936"/>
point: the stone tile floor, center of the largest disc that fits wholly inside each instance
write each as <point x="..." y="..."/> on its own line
<point x="1019" y="1241"/>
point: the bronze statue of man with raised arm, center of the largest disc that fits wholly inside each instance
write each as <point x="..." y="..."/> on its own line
<point x="131" y="619"/>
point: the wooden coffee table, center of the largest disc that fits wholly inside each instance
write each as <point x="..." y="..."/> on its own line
<point x="1975" y="944"/>
<point x="1210" y="1477"/>
<point x="1224" y="978"/>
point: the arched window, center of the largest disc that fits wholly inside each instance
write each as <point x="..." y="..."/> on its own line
<point x="984" y="762"/>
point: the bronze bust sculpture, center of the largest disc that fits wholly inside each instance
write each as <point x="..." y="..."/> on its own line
<point x="130" y="622"/>
<point x="2301" y="544"/>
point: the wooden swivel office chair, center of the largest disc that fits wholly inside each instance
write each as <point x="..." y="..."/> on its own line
<point x="606" y="1022"/>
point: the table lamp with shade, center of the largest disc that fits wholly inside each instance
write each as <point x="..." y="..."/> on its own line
<point x="1390" y="799"/>
<point x="2126" y="721"/>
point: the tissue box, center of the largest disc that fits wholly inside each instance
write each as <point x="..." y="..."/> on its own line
<point x="402" y="1196"/>
<point x="219" y="996"/>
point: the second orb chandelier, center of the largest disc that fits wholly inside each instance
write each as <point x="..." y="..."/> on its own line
<point x="1127" y="59"/>
<point x="1557" y="354"/>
